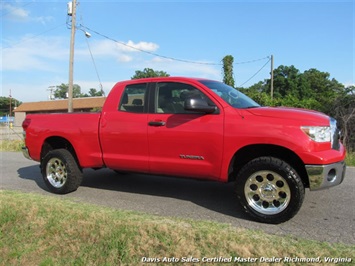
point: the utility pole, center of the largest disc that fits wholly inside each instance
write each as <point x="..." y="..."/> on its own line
<point x="272" y="77"/>
<point x="72" y="13"/>
<point x="10" y="104"/>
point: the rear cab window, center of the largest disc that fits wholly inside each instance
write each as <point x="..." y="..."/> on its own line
<point x="133" y="99"/>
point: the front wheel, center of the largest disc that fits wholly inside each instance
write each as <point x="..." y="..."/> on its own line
<point x="270" y="190"/>
<point x="60" y="172"/>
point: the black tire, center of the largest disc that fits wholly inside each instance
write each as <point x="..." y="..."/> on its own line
<point x="60" y="172"/>
<point x="270" y="190"/>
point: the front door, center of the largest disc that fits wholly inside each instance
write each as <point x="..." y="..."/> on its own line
<point x="182" y="142"/>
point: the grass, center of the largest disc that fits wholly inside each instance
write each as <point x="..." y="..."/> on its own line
<point x="350" y="159"/>
<point x="11" y="145"/>
<point x="53" y="230"/>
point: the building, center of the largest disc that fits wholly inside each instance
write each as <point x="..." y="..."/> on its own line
<point x="86" y="104"/>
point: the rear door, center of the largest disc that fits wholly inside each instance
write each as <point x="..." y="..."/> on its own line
<point x="182" y="142"/>
<point x="124" y="139"/>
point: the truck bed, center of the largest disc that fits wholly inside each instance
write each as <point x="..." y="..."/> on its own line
<point x="79" y="129"/>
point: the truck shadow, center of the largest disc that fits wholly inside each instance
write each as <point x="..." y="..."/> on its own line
<point x="218" y="197"/>
<point x="32" y="173"/>
<point x="211" y="195"/>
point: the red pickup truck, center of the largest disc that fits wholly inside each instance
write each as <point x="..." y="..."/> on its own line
<point x="193" y="128"/>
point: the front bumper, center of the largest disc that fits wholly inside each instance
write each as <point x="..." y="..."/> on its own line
<point x="325" y="176"/>
<point x="26" y="153"/>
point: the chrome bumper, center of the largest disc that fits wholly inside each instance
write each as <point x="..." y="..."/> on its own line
<point x="324" y="176"/>
<point x="26" y="153"/>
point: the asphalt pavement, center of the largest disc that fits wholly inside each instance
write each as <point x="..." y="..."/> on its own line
<point x="327" y="215"/>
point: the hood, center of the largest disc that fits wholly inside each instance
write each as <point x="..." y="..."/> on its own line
<point x="291" y="114"/>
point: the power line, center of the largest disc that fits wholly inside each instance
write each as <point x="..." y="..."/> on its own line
<point x="180" y="60"/>
<point x="251" y="61"/>
<point x="256" y="72"/>
<point x="88" y="35"/>
<point x="147" y="52"/>
<point x="97" y="73"/>
<point x="163" y="56"/>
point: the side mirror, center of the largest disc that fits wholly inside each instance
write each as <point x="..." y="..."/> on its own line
<point x="199" y="105"/>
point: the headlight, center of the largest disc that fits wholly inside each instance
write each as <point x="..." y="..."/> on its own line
<point x="318" y="134"/>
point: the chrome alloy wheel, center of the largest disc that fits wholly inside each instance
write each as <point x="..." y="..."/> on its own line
<point x="56" y="172"/>
<point x="267" y="192"/>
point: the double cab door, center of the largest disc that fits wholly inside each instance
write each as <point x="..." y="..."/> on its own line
<point x="151" y="132"/>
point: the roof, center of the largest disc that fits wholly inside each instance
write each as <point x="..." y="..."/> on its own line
<point x="60" y="105"/>
<point x="157" y="79"/>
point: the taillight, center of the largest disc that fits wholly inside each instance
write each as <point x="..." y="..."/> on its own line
<point x="25" y="125"/>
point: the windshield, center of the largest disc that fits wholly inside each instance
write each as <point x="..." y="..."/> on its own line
<point x="230" y="95"/>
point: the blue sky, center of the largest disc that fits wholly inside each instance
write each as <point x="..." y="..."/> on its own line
<point x="35" y="39"/>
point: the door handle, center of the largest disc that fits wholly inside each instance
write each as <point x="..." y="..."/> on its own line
<point x="156" y="123"/>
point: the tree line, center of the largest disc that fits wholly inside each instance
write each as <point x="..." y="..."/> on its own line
<point x="5" y="105"/>
<point x="311" y="89"/>
<point x="61" y="92"/>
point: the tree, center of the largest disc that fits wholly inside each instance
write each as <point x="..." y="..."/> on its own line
<point x="258" y="93"/>
<point x="311" y="89"/>
<point x="5" y="105"/>
<point x="343" y="109"/>
<point x="61" y="91"/>
<point x="320" y="87"/>
<point x="228" y="70"/>
<point x="149" y="73"/>
<point x="93" y="93"/>
<point x="285" y="81"/>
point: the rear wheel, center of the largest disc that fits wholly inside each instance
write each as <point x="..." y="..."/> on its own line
<point x="61" y="172"/>
<point x="270" y="190"/>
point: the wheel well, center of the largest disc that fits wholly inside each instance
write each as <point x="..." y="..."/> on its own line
<point x="248" y="153"/>
<point x="54" y="143"/>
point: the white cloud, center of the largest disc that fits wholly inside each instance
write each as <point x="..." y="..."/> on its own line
<point x="15" y="13"/>
<point x="45" y="60"/>
<point x="111" y="48"/>
<point x="43" y="20"/>
<point x="178" y="68"/>
<point x="19" y="14"/>
<point x="122" y="52"/>
<point x="139" y="60"/>
<point x="98" y="48"/>
<point x="130" y="46"/>
<point x="124" y="58"/>
<point x="30" y="92"/>
<point x="34" y="53"/>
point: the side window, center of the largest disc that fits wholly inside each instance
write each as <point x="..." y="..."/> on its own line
<point x="133" y="98"/>
<point x="170" y="97"/>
